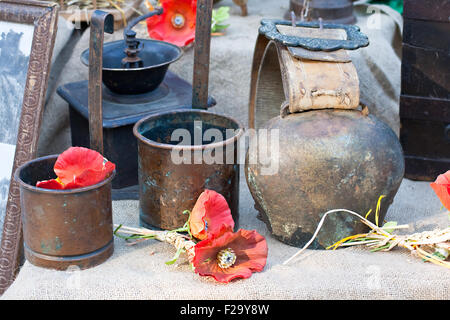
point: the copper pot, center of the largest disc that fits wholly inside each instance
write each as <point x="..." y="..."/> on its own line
<point x="166" y="187"/>
<point x="64" y="228"/>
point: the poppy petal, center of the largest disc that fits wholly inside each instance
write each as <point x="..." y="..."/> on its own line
<point x="160" y="27"/>
<point x="442" y="188"/>
<point x="75" y="161"/>
<point x="444" y="178"/>
<point x="50" y="184"/>
<point x="90" y="177"/>
<point x="210" y="213"/>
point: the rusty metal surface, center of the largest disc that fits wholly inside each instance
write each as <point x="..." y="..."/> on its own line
<point x="328" y="159"/>
<point x="100" y="22"/>
<point x="243" y="5"/>
<point x="201" y="54"/>
<point x="63" y="228"/>
<point x="166" y="188"/>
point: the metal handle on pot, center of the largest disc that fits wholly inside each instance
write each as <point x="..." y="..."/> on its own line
<point x="101" y="22"/>
<point x="201" y="54"/>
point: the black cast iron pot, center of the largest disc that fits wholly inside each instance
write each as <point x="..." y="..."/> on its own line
<point x="156" y="56"/>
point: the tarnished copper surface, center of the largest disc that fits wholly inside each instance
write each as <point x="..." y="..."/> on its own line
<point x="100" y="22"/>
<point x="64" y="227"/>
<point x="167" y="189"/>
<point x="202" y="46"/>
<point x="328" y="159"/>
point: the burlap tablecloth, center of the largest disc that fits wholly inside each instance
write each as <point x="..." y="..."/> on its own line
<point x="140" y="272"/>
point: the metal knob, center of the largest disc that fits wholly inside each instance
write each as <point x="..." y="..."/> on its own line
<point x="133" y="45"/>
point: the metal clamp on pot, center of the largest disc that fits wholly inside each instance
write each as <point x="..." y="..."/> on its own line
<point x="310" y="51"/>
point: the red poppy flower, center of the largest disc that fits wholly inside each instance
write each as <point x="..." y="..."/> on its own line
<point x="176" y="24"/>
<point x="50" y="184"/>
<point x="228" y="255"/>
<point x="78" y="167"/>
<point x="210" y="213"/>
<point x="442" y="188"/>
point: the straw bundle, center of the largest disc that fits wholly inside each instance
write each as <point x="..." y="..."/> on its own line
<point x="432" y="246"/>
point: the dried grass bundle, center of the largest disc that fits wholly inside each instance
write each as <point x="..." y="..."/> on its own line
<point x="432" y="246"/>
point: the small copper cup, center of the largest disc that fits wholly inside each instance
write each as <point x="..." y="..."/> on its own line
<point x="166" y="189"/>
<point x="63" y="228"/>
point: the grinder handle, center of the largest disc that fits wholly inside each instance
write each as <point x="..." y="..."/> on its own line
<point x="127" y="31"/>
<point x="101" y="22"/>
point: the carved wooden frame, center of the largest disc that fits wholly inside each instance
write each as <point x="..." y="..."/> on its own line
<point x="44" y="16"/>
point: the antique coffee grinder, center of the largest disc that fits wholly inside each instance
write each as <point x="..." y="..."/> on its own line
<point x="328" y="151"/>
<point x="135" y="83"/>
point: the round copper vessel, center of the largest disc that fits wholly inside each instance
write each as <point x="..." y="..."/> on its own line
<point x="64" y="228"/>
<point x="172" y="174"/>
<point x="327" y="159"/>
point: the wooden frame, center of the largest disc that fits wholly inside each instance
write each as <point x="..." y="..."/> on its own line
<point x="43" y="16"/>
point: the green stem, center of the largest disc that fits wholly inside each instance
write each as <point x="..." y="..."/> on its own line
<point x="381" y="248"/>
<point x="133" y="237"/>
<point x="184" y="228"/>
